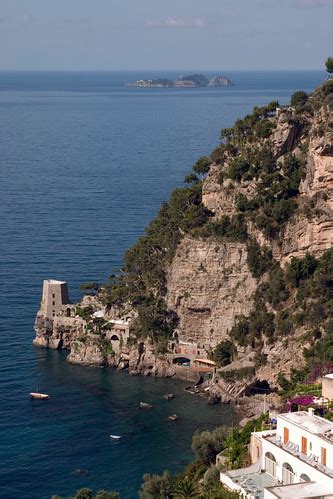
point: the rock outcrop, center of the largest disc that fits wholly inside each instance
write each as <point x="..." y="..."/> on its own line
<point x="209" y="284"/>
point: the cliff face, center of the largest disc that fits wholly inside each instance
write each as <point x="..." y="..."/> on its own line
<point x="208" y="282"/>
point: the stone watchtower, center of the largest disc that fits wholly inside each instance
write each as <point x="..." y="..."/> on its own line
<point x="55" y="296"/>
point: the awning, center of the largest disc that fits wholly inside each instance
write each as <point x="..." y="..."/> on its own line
<point x="205" y="361"/>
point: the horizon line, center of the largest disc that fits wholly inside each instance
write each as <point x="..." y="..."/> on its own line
<point x="2" y="70"/>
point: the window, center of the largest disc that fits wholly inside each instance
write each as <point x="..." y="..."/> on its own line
<point x="304" y="478"/>
<point x="53" y="295"/>
<point x="285" y="435"/>
<point x="270" y="464"/>
<point x="323" y="456"/>
<point x="287" y="474"/>
<point x="304" y="445"/>
<point x="53" y="303"/>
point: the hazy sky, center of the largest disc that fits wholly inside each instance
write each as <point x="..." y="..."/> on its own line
<point x="169" y="34"/>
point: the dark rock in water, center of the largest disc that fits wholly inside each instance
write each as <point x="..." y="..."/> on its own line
<point x="81" y="472"/>
<point x="214" y="399"/>
<point x="144" y="405"/>
<point x="200" y="381"/>
<point x="169" y="396"/>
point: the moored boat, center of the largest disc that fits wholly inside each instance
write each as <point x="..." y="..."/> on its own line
<point x="41" y="396"/>
<point x="173" y="417"/>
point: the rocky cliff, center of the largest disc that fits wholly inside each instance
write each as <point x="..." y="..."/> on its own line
<point x="218" y="264"/>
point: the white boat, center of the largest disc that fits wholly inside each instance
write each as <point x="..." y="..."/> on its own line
<point x="115" y="437"/>
<point x="40" y="396"/>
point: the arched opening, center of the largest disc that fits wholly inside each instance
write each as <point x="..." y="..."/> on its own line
<point x="114" y="337"/>
<point x="181" y="361"/>
<point x="259" y="386"/>
<point x="68" y="312"/>
<point x="304" y="478"/>
<point x="287" y="474"/>
<point x="270" y="464"/>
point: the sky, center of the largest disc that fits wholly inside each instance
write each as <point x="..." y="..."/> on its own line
<point x="165" y="34"/>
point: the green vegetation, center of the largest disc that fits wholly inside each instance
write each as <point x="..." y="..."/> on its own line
<point x="249" y="330"/>
<point x="237" y="443"/>
<point x="90" y="288"/>
<point x="86" y="493"/>
<point x="259" y="259"/>
<point x="238" y="374"/>
<point x="227" y="228"/>
<point x="267" y="200"/>
<point x="207" y="444"/>
<point x="329" y="65"/>
<point x="142" y="282"/>
<point x="201" y="167"/>
<point x="299" y="99"/>
<point x="200" y="479"/>
<point x="245" y="129"/>
<point x="223" y="353"/>
<point x="237" y="167"/>
<point x="301" y="269"/>
<point x="84" y="312"/>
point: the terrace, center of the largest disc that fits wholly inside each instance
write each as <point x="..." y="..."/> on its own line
<point x="293" y="450"/>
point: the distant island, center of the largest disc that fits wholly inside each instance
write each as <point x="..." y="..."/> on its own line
<point x="190" y="81"/>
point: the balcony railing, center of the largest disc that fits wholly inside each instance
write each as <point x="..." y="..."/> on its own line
<point x="293" y="449"/>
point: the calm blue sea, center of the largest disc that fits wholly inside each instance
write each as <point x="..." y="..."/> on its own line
<point x="84" y="165"/>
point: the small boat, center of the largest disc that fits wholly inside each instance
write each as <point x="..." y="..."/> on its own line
<point x="115" y="437"/>
<point x="40" y="396"/>
<point x="173" y="417"/>
<point x="144" y="405"/>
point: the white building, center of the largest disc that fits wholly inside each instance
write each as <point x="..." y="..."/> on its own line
<point x="294" y="461"/>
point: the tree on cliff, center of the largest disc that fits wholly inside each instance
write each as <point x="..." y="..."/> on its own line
<point x="329" y="65"/>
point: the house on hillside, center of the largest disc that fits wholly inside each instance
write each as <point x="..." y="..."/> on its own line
<point x="294" y="461"/>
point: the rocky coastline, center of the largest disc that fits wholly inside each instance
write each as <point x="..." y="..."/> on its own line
<point x="209" y="282"/>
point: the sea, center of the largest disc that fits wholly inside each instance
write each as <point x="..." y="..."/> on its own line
<point x="85" y="164"/>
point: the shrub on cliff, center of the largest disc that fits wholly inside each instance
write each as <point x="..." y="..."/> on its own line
<point x="84" y="312"/>
<point x="237" y="167"/>
<point x="299" y="99"/>
<point x="300" y="269"/>
<point x="156" y="486"/>
<point x="249" y="330"/>
<point x="329" y="65"/>
<point x="237" y="443"/>
<point x="259" y="259"/>
<point x="264" y="129"/>
<point x="223" y="352"/>
<point x="207" y="444"/>
<point x="154" y="320"/>
<point x="201" y="166"/>
<point x="233" y="229"/>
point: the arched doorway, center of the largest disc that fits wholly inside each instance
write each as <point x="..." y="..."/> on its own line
<point x="114" y="337"/>
<point x="181" y="361"/>
<point x="68" y="312"/>
<point x="270" y="464"/>
<point x="288" y="475"/>
<point x="304" y="478"/>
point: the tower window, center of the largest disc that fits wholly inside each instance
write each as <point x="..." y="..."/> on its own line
<point x="53" y="303"/>
<point x="53" y="295"/>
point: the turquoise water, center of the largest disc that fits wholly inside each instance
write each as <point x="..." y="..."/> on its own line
<point x="84" y="165"/>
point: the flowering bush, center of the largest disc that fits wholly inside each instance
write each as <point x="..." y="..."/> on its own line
<point x="302" y="400"/>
